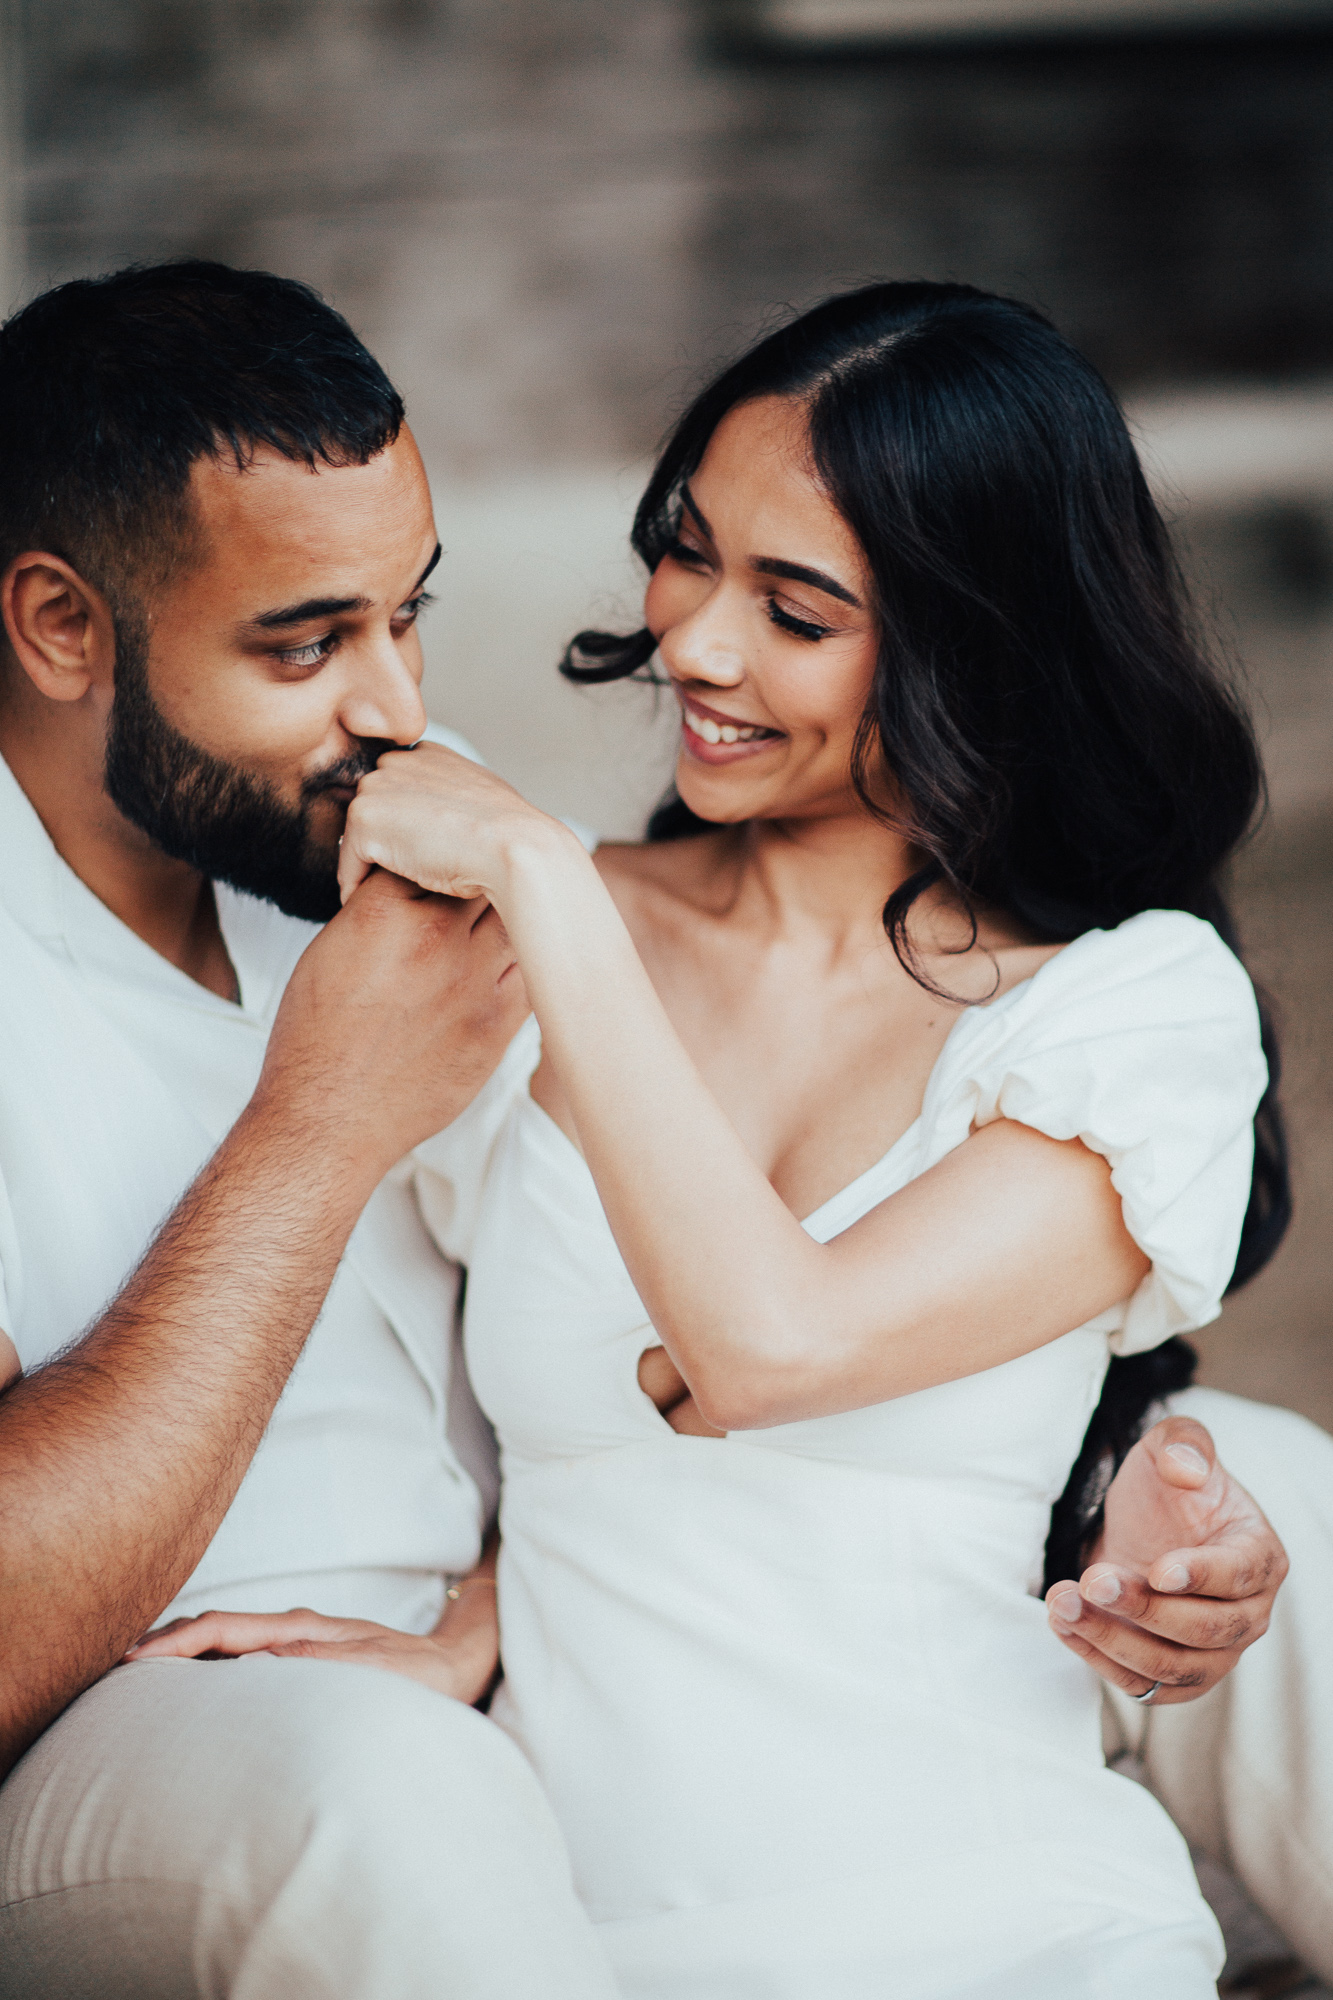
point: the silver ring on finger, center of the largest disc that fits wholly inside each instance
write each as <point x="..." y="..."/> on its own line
<point x="1145" y="1698"/>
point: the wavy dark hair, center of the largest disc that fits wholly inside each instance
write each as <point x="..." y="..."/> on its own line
<point x="1062" y="745"/>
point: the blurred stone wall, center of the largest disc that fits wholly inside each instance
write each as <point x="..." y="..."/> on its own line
<point x="548" y="217"/>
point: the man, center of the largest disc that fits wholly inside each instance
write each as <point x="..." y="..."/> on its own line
<point x="215" y="535"/>
<point x="216" y="539"/>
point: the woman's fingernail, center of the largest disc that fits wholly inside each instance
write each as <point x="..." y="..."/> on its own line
<point x="1068" y="1607"/>
<point x="1187" y="1456"/>
<point x="1175" y="1578"/>
<point x="1103" y="1589"/>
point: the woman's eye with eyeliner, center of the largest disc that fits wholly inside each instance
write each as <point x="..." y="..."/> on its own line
<point x="803" y="628"/>
<point x="681" y="552"/>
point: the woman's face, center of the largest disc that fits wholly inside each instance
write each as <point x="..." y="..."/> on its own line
<point x="761" y="611"/>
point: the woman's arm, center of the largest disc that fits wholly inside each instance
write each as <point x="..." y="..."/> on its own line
<point x="459" y="1657"/>
<point x="1006" y="1244"/>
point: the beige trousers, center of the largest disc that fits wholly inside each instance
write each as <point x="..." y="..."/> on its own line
<point x="293" y="1829"/>
<point x="1246" y="1771"/>
<point x="279" y="1830"/>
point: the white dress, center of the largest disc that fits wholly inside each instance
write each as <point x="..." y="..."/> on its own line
<point x="790" y="1692"/>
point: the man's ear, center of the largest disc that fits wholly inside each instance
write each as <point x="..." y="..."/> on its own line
<point x="60" y="627"/>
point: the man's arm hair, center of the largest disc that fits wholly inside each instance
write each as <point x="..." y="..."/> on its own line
<point x="119" y="1457"/>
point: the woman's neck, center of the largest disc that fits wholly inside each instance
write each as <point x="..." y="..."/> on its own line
<point x="835" y="872"/>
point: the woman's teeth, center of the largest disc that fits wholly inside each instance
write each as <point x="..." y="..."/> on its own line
<point x="720" y="732"/>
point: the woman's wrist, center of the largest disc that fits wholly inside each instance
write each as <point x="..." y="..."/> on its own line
<point x="536" y="856"/>
<point x="467" y="1635"/>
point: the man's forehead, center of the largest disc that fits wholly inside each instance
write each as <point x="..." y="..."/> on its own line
<point x="276" y="518"/>
<point x="273" y="493"/>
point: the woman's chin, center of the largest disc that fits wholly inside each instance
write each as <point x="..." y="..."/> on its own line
<point x="719" y="794"/>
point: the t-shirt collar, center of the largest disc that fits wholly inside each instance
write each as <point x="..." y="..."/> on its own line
<point x="44" y="895"/>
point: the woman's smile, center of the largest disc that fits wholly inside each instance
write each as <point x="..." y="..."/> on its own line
<point x="714" y="738"/>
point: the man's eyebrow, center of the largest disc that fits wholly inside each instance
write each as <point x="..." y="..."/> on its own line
<point x="308" y="608"/>
<point x="326" y="607"/>
<point x="798" y="573"/>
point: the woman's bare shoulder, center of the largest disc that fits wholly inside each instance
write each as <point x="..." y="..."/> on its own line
<point x="979" y="954"/>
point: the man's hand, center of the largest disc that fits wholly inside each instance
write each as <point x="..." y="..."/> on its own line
<point x="394" y="1018"/>
<point x="1183" y="1576"/>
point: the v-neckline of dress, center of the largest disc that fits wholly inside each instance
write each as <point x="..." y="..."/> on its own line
<point x="811" y="1222"/>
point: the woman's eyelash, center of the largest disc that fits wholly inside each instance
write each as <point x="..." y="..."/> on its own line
<point x="802" y="627"/>
<point x="421" y="602"/>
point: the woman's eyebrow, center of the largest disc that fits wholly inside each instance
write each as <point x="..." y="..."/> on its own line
<point x="687" y="501"/>
<point x="774" y="566"/>
<point x="798" y="573"/>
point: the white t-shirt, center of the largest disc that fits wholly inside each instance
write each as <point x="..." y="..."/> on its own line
<point x="119" y="1076"/>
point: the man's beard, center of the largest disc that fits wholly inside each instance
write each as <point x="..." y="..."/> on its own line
<point x="230" y="825"/>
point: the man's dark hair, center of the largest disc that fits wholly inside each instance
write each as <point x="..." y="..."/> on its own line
<point x="111" y="388"/>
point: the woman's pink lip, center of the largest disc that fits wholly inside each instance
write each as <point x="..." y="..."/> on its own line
<point x="688" y="702"/>
<point x="704" y="752"/>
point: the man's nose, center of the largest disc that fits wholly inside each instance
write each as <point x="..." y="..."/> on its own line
<point x="385" y="705"/>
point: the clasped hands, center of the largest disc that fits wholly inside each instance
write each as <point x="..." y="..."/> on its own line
<point x="441" y="821"/>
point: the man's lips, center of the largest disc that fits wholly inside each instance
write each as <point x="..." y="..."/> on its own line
<point x="341" y="790"/>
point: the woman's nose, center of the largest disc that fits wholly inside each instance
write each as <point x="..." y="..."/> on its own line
<point x="706" y="646"/>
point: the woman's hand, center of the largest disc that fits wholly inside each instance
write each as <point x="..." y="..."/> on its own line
<point x="458" y="1659"/>
<point x="443" y="822"/>
<point x="1184" y="1572"/>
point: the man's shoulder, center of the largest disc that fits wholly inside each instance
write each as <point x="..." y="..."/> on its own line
<point x="435" y="732"/>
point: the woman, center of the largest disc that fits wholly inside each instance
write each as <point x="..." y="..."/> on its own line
<point x="928" y="953"/>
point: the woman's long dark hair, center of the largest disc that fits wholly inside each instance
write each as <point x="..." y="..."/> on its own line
<point x="1064" y="748"/>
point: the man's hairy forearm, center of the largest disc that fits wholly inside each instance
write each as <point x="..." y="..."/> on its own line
<point x="119" y="1458"/>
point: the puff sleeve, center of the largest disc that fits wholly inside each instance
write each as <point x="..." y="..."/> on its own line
<point x="1143" y="1042"/>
